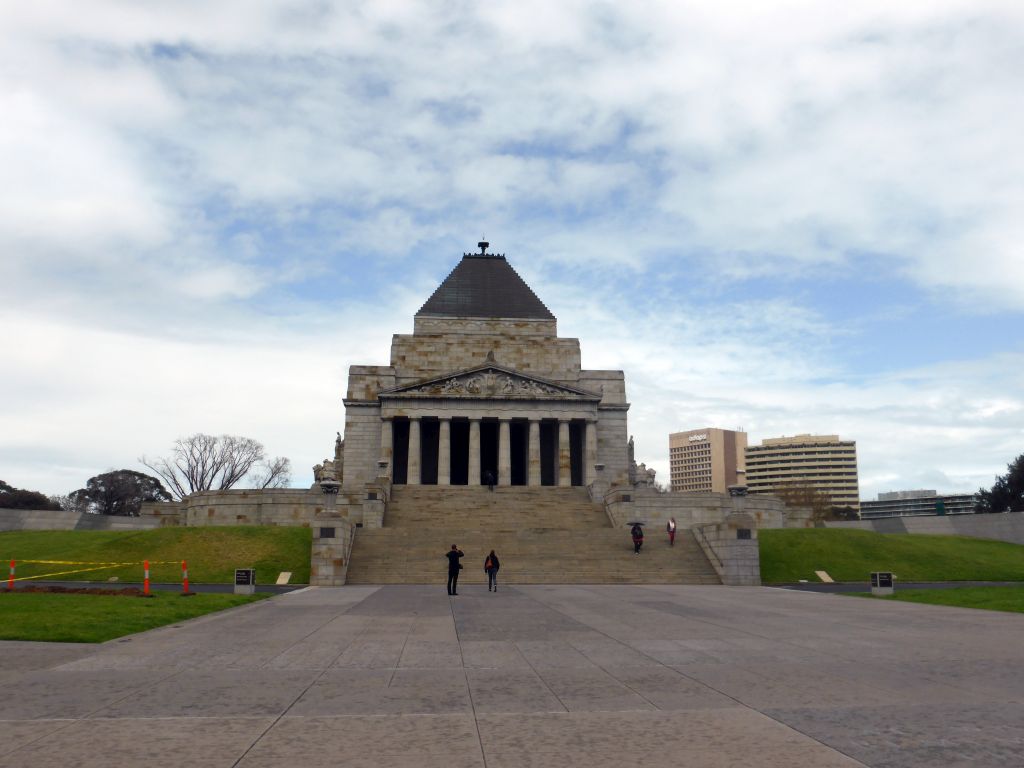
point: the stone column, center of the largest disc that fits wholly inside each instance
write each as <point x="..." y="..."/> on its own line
<point x="444" y="453"/>
<point x="474" y="452"/>
<point x="533" y="470"/>
<point x="590" y="458"/>
<point x="414" y="452"/>
<point x="386" y="449"/>
<point x="564" y="468"/>
<point x="504" y="454"/>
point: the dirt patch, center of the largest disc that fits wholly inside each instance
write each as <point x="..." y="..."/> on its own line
<point x="123" y="591"/>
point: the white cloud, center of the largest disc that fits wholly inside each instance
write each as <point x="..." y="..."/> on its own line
<point x="160" y="161"/>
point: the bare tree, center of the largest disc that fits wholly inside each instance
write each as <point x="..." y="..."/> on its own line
<point x="203" y="462"/>
<point x="273" y="473"/>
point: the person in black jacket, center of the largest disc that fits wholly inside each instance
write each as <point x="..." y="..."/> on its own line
<point x="491" y="566"/>
<point x="638" y="537"/>
<point x="453" y="569"/>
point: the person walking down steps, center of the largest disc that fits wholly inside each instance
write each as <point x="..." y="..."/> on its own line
<point x="671" y="528"/>
<point x="453" y="569"/>
<point x="491" y="566"/>
<point x="638" y="537"/>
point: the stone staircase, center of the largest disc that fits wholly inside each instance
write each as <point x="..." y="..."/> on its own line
<point x="541" y="535"/>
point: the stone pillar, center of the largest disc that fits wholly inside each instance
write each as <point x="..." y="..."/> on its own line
<point x="533" y="468"/>
<point x="504" y="454"/>
<point x="474" y="452"/>
<point x="414" y="452"/>
<point x="444" y="453"/>
<point x="590" y="457"/>
<point x="386" y="443"/>
<point x="564" y="468"/>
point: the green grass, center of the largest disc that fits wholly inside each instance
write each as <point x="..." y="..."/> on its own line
<point x="851" y="555"/>
<point x="212" y="553"/>
<point x="98" y="618"/>
<point x="987" y="598"/>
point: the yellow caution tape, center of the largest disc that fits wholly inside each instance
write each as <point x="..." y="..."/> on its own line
<point x="59" y="573"/>
<point x="83" y="562"/>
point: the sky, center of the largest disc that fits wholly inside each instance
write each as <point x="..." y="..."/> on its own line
<point x="795" y="217"/>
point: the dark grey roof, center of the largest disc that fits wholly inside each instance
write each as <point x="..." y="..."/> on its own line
<point x="485" y="286"/>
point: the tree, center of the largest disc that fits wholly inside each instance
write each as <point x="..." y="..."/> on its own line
<point x="1007" y="494"/>
<point x="204" y="462"/>
<point x="15" y="498"/>
<point x="118" y="492"/>
<point x="797" y="494"/>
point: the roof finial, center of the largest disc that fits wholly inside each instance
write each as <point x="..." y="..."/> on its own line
<point x="482" y="245"/>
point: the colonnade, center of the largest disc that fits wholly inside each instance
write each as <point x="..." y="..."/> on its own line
<point x="560" y="473"/>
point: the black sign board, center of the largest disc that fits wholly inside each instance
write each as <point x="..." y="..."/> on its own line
<point x="326" y="533"/>
<point x="742" y="533"/>
<point x="245" y="577"/>
<point x="881" y="579"/>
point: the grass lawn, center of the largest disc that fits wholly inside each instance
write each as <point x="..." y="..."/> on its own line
<point x="212" y="553"/>
<point x="97" y="618"/>
<point x="988" y="598"/>
<point x="851" y="555"/>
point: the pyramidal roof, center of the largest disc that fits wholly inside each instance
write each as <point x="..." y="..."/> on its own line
<point x="485" y="285"/>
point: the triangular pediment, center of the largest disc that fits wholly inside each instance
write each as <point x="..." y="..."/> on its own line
<point x="492" y="382"/>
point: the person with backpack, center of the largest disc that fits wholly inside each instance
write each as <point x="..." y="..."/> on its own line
<point x="491" y="566"/>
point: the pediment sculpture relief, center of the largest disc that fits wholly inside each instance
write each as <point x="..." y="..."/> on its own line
<point x="490" y="383"/>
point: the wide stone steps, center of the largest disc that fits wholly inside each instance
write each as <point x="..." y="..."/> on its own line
<point x="532" y="556"/>
<point x="506" y="508"/>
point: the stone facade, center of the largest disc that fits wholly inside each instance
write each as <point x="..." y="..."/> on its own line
<point x="472" y="395"/>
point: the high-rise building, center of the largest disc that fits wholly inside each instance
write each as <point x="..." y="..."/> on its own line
<point x="822" y="462"/>
<point x="707" y="459"/>
<point x="916" y="503"/>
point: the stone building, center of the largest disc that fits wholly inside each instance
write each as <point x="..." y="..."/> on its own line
<point x="484" y="392"/>
<point x="484" y="388"/>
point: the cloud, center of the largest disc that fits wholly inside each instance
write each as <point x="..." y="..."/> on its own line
<point x="712" y="187"/>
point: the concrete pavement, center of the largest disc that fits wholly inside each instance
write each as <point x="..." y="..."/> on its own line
<point x="530" y="676"/>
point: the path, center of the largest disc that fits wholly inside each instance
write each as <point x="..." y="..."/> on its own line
<point x="558" y="676"/>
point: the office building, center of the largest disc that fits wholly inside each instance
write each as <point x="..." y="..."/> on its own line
<point x="707" y="459"/>
<point x="916" y="503"/>
<point x="822" y="462"/>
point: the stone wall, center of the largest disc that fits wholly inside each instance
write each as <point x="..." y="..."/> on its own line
<point x="332" y="548"/>
<point x="456" y="344"/>
<point x="362" y="445"/>
<point x="59" y="520"/>
<point x="732" y="549"/>
<point x="692" y="509"/>
<point x="1002" y="527"/>
<point x="279" y="506"/>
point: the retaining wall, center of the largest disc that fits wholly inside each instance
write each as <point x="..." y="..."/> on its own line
<point x="59" y="520"/>
<point x="1002" y="527"/>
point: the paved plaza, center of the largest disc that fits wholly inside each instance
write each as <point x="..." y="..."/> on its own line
<point x="557" y="676"/>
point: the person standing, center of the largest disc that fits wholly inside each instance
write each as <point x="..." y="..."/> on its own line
<point x="491" y="566"/>
<point x="671" y="528"/>
<point x="638" y="537"/>
<point x="453" y="569"/>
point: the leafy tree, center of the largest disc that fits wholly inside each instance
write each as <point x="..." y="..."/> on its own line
<point x="1007" y="494"/>
<point x="15" y="498"/>
<point x="118" y="492"/>
<point x="203" y="462"/>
